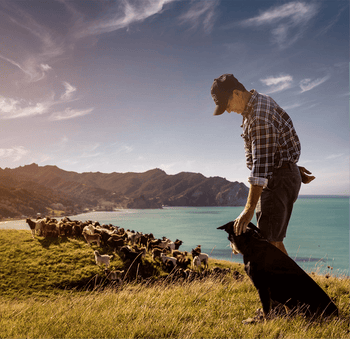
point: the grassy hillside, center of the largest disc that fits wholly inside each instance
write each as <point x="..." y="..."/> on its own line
<point x="47" y="292"/>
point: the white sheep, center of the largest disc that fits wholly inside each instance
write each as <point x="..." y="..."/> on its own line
<point x="92" y="238"/>
<point x="89" y="229"/>
<point x="202" y="257"/>
<point x="103" y="259"/>
<point x="165" y="258"/>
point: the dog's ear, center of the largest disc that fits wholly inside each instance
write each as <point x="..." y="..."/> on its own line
<point x="253" y="227"/>
<point x="227" y="227"/>
<point x="256" y="231"/>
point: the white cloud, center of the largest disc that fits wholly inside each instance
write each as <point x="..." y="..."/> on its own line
<point x="297" y="12"/>
<point x="69" y="91"/>
<point x="15" y="153"/>
<point x="120" y="16"/>
<point x="277" y="84"/>
<point x="287" y="22"/>
<point x="45" y="67"/>
<point x="12" y="108"/>
<point x="200" y="13"/>
<point x="70" y="113"/>
<point x="296" y="105"/>
<point x="335" y="156"/>
<point x="121" y="148"/>
<point x="308" y="84"/>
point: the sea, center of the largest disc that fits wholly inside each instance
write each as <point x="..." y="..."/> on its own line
<point x="317" y="236"/>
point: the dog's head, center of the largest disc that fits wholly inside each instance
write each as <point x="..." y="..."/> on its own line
<point x="238" y="243"/>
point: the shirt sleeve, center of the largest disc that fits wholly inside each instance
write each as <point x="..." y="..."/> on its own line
<point x="264" y="146"/>
<point x="256" y="181"/>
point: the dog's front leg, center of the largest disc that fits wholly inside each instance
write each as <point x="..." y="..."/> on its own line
<point x="264" y="294"/>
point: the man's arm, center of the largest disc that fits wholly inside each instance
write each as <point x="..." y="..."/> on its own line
<point x="246" y="216"/>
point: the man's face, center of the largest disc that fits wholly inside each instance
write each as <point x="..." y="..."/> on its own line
<point x="236" y="103"/>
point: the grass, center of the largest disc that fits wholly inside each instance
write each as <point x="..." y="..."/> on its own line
<point x="44" y="294"/>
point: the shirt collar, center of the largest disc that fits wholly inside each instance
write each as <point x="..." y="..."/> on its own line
<point x="248" y="108"/>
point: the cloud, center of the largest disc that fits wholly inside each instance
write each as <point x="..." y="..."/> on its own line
<point x="70" y="113"/>
<point x="307" y="84"/>
<point x="296" y="105"/>
<point x="121" y="148"/>
<point x="335" y="156"/>
<point x="333" y="21"/>
<point x="40" y="45"/>
<point x="119" y="16"/>
<point x="11" y="108"/>
<point x="15" y="153"/>
<point x="287" y="22"/>
<point x="200" y="13"/>
<point x="278" y="84"/>
<point x="69" y="91"/>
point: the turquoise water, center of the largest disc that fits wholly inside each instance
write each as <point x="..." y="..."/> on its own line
<point x="317" y="237"/>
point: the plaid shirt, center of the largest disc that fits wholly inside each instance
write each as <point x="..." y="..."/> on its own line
<point x="269" y="138"/>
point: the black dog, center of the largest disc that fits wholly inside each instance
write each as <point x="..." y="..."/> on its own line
<point x="276" y="276"/>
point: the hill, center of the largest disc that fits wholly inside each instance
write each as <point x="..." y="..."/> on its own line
<point x="31" y="189"/>
<point x="52" y="288"/>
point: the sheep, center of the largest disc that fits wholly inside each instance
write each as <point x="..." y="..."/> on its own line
<point x="77" y="230"/>
<point x="92" y="238"/>
<point x="195" y="252"/>
<point x="152" y="244"/>
<point x="176" y="253"/>
<point x="129" y="254"/>
<point x="178" y="243"/>
<point x="165" y="258"/>
<point x="89" y="229"/>
<point x="143" y="239"/>
<point x="171" y="245"/>
<point x="183" y="262"/>
<point x="142" y="250"/>
<point x="35" y="226"/>
<point x="218" y="271"/>
<point x="115" y="243"/>
<point x="50" y="229"/>
<point x="156" y="252"/>
<point x="102" y="259"/>
<point x="105" y="235"/>
<point x="202" y="257"/>
<point x="133" y="236"/>
<point x="114" y="276"/>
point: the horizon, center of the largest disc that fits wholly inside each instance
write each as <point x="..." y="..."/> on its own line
<point x="124" y="86"/>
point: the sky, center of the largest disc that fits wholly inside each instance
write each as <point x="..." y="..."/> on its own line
<point x="124" y="85"/>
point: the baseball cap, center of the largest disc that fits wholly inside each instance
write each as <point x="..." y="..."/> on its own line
<point x="221" y="91"/>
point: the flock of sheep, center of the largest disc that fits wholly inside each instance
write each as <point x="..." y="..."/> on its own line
<point x="130" y="245"/>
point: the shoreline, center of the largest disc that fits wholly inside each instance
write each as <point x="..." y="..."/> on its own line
<point x="302" y="196"/>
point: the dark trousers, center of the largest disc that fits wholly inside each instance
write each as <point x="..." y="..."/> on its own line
<point x="275" y="205"/>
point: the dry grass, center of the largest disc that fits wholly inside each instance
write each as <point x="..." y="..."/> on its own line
<point x="210" y="308"/>
<point x="207" y="308"/>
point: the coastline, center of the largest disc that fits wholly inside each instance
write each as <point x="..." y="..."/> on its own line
<point x="303" y="196"/>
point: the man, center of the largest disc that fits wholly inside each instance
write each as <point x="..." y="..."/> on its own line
<point x="272" y="150"/>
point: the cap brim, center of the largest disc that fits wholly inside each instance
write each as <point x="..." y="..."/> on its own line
<point x="219" y="110"/>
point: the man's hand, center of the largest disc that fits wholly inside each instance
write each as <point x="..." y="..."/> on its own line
<point x="246" y="216"/>
<point x="305" y="178"/>
<point x="241" y="223"/>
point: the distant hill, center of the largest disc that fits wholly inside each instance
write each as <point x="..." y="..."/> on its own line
<point x="31" y="189"/>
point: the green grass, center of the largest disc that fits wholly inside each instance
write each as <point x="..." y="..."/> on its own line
<point x="44" y="294"/>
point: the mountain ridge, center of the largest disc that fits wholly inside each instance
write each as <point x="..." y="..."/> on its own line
<point x="77" y="192"/>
